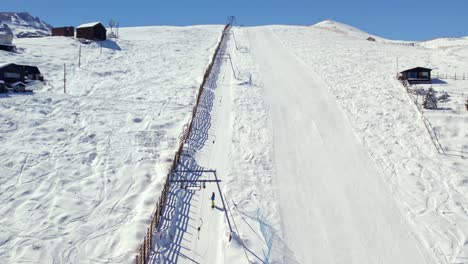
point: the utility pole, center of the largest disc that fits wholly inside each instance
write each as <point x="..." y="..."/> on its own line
<point x="117" y="30"/>
<point x="397" y="67"/>
<point x="231" y="20"/>
<point x="64" y="78"/>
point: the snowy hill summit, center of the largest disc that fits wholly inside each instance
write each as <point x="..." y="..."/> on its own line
<point x="23" y="25"/>
<point x="343" y="29"/>
<point x="353" y="32"/>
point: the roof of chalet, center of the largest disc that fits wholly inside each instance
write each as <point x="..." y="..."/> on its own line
<point x="5" y="33"/>
<point x="87" y="25"/>
<point x="5" y="64"/>
<point x="28" y="68"/>
<point x="18" y="83"/>
<point x="417" y="69"/>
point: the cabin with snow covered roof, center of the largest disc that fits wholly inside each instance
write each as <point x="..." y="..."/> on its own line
<point x="91" y="31"/>
<point x="416" y="75"/>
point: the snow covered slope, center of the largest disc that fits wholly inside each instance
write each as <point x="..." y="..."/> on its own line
<point x="323" y="158"/>
<point x="322" y="155"/>
<point x="342" y="29"/>
<point x="24" y="25"/>
<point x="334" y="204"/>
<point x="81" y="172"/>
<point x="430" y="189"/>
<point x="329" y="159"/>
<point x="352" y="32"/>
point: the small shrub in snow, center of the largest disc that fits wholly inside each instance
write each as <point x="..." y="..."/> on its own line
<point x="430" y="101"/>
<point x="418" y="91"/>
<point x="443" y="96"/>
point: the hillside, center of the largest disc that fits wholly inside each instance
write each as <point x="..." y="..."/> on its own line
<point x="80" y="172"/>
<point x="323" y="155"/>
<point x="429" y="188"/>
<point x="320" y="153"/>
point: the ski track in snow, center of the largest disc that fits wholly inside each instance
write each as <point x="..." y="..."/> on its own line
<point x="81" y="172"/>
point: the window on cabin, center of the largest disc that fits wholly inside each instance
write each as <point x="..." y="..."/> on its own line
<point x="12" y="75"/>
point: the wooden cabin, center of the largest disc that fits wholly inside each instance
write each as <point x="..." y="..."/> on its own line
<point x="416" y="75"/>
<point x="2" y="87"/>
<point x="18" y="87"/>
<point x="11" y="73"/>
<point x="92" y="31"/>
<point x="64" y="31"/>
<point x="6" y="41"/>
<point x="32" y="73"/>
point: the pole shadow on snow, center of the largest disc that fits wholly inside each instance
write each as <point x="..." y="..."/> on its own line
<point x="456" y="153"/>
<point x="178" y="223"/>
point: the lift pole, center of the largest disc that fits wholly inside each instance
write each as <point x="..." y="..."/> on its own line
<point x="217" y="181"/>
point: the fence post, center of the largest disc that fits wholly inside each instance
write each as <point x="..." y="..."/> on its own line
<point x="149" y="240"/>
<point x="141" y="254"/>
<point x="79" y="57"/>
<point x="143" y="258"/>
<point x="146" y="248"/>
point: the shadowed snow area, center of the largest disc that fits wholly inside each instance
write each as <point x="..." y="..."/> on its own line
<point x="81" y="172"/>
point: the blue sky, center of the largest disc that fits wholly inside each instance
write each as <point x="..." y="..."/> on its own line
<point x="395" y="19"/>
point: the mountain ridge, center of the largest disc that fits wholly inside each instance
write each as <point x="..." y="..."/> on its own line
<point x="23" y="25"/>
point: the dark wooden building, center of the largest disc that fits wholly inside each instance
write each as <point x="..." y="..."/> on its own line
<point x="19" y="87"/>
<point x="92" y="31"/>
<point x="2" y="87"/>
<point x="11" y="73"/>
<point x="32" y="73"/>
<point x="63" y="31"/>
<point x="417" y="75"/>
<point x="6" y="41"/>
